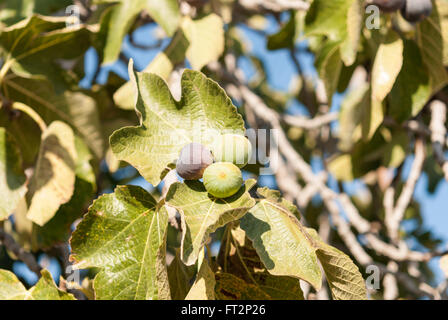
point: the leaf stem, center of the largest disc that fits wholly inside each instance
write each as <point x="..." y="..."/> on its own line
<point x="31" y="113"/>
<point x="5" y="68"/>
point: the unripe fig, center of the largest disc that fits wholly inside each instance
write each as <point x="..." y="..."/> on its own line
<point x="389" y="5"/>
<point x="233" y="148"/>
<point x="416" y="10"/>
<point x="222" y="179"/>
<point x="194" y="158"/>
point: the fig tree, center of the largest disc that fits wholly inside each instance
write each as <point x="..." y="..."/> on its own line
<point x="222" y="179"/>
<point x="416" y="10"/>
<point x="389" y="5"/>
<point x="193" y="159"/>
<point x="233" y="148"/>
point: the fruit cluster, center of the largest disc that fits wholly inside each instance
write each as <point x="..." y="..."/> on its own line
<point x="412" y="10"/>
<point x="219" y="166"/>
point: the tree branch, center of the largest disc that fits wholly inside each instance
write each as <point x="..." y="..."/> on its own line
<point x="23" y="255"/>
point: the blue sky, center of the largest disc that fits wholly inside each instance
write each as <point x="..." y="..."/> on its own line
<point x="280" y="71"/>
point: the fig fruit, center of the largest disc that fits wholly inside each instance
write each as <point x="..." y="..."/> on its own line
<point x="193" y="159"/>
<point x="222" y="179"/>
<point x="389" y="5"/>
<point x="416" y="10"/>
<point x="233" y="148"/>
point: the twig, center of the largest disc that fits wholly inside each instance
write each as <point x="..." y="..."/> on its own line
<point x="274" y="5"/>
<point x="393" y="219"/>
<point x="170" y="178"/>
<point x="23" y="255"/>
<point x="390" y="282"/>
<point x="310" y="123"/>
<point x="438" y="133"/>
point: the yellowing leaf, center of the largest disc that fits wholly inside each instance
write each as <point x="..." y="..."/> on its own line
<point x="387" y="65"/>
<point x="53" y="180"/>
<point x="12" y="177"/>
<point x="341" y="167"/>
<point x="206" y="37"/>
<point x="58" y="229"/>
<point x="45" y="289"/>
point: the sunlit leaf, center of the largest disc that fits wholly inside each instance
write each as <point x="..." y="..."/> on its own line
<point x="349" y="47"/>
<point x="166" y="125"/>
<point x="387" y="65"/>
<point x="57" y="230"/>
<point x="45" y="289"/>
<point x="53" y="179"/>
<point x="124" y="234"/>
<point x="206" y="38"/>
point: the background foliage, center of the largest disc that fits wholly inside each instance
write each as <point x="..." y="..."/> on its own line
<point x="71" y="154"/>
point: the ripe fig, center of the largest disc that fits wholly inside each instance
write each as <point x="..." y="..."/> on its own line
<point x="233" y="148"/>
<point x="389" y="5"/>
<point x="222" y="179"/>
<point x="416" y="10"/>
<point x="194" y="158"/>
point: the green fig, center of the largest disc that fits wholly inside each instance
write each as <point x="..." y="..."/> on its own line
<point x="193" y="159"/>
<point x="222" y="179"/>
<point x="233" y="148"/>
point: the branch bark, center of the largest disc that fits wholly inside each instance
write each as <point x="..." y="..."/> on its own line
<point x="26" y="257"/>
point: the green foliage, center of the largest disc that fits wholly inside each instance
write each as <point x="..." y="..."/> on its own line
<point x="203" y="113"/>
